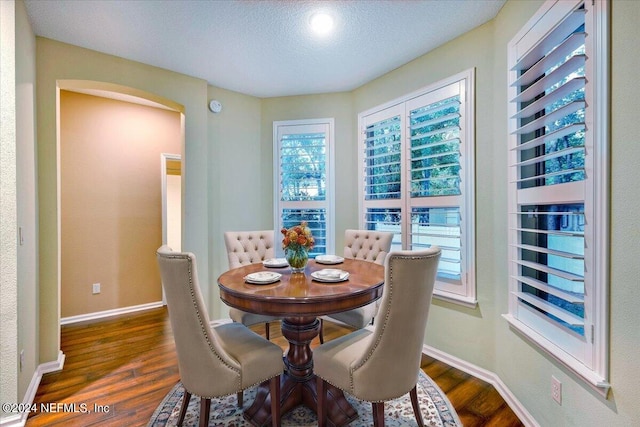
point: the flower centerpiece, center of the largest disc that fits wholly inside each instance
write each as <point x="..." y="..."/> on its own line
<point x="296" y="243"/>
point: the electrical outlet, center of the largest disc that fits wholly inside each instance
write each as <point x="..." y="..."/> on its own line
<point x="96" y="288"/>
<point x="556" y="390"/>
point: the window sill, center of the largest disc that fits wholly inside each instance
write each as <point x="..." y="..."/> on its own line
<point x="594" y="380"/>
<point x="469" y="302"/>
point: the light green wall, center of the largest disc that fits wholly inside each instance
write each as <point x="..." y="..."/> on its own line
<point x="26" y="196"/>
<point x="238" y="178"/>
<point x="625" y="234"/>
<point x="8" y="208"/>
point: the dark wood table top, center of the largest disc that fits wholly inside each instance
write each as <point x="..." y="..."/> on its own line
<point x="299" y="295"/>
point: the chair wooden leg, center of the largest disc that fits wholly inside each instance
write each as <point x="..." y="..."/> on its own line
<point x="240" y="399"/>
<point x="274" y="388"/>
<point x="416" y="407"/>
<point x="378" y="414"/>
<point x="185" y="403"/>
<point x="205" y="409"/>
<point x="266" y="330"/>
<point x="321" y="335"/>
<point x="321" y="389"/>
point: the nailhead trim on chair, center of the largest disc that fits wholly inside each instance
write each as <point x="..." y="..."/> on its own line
<point x="204" y="329"/>
<point x="239" y="387"/>
<point x="386" y="319"/>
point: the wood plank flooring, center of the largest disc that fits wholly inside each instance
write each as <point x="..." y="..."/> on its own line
<point x="125" y="365"/>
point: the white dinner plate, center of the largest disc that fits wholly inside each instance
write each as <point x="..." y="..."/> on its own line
<point x="262" y="277"/>
<point x="275" y="262"/>
<point x="330" y="275"/>
<point x="329" y="259"/>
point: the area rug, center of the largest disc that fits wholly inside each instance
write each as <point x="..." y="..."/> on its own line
<point x="436" y="410"/>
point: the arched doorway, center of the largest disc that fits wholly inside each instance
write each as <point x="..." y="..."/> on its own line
<point x="103" y="258"/>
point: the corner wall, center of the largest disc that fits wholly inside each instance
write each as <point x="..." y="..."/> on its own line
<point x="27" y="202"/>
<point x="8" y="208"/>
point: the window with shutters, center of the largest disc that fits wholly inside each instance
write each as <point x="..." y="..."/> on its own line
<point x="417" y="178"/>
<point x="303" y="181"/>
<point x="558" y="167"/>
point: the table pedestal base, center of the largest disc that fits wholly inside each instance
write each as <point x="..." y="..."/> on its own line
<point x="298" y="383"/>
<point x="292" y="393"/>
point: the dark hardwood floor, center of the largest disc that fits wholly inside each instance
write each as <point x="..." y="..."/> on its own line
<point x="125" y="365"/>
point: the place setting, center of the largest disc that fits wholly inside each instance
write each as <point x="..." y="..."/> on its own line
<point x="262" y="277"/>
<point x="329" y="259"/>
<point x="330" y="275"/>
<point x="275" y="262"/>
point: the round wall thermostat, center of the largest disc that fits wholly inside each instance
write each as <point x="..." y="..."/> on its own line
<point x="215" y="106"/>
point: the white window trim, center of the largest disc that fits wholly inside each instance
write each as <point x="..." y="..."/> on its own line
<point x="469" y="299"/>
<point x="330" y="156"/>
<point x="597" y="195"/>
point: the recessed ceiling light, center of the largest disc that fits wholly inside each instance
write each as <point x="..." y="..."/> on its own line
<point x="321" y="23"/>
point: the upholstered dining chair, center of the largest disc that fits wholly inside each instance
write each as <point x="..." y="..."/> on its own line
<point x="213" y="361"/>
<point x="384" y="364"/>
<point x="248" y="247"/>
<point x="366" y="245"/>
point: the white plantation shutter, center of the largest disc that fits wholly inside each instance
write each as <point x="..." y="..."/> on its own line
<point x="383" y="159"/>
<point x="382" y="172"/>
<point x="435" y="147"/>
<point x="553" y="274"/>
<point x="440" y="165"/>
<point x="417" y="178"/>
<point x="304" y="174"/>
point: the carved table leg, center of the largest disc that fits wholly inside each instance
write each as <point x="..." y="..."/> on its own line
<point x="298" y="384"/>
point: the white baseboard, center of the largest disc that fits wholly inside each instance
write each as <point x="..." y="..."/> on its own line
<point x="19" y="420"/>
<point x="487" y="376"/>
<point x="109" y="313"/>
<point x="15" y="420"/>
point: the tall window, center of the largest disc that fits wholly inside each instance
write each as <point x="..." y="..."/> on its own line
<point x="303" y="153"/>
<point x="557" y="187"/>
<point x="417" y="178"/>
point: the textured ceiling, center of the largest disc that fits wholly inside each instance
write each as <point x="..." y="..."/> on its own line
<point x="262" y="48"/>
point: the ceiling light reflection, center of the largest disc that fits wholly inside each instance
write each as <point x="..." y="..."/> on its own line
<point x="321" y="23"/>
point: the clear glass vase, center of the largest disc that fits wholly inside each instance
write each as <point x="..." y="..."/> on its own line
<point x="297" y="258"/>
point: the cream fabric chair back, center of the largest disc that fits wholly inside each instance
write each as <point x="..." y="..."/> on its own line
<point x="384" y="364"/>
<point x="213" y="362"/>
<point x="248" y="247"/>
<point x="393" y="355"/>
<point x="367" y="245"/>
<point x="205" y="368"/>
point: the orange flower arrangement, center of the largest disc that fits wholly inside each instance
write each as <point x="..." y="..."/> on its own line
<point x="298" y="237"/>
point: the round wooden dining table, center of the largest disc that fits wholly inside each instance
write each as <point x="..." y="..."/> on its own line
<point x="299" y="299"/>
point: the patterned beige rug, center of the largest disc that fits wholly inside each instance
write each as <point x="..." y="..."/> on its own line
<point x="436" y="410"/>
